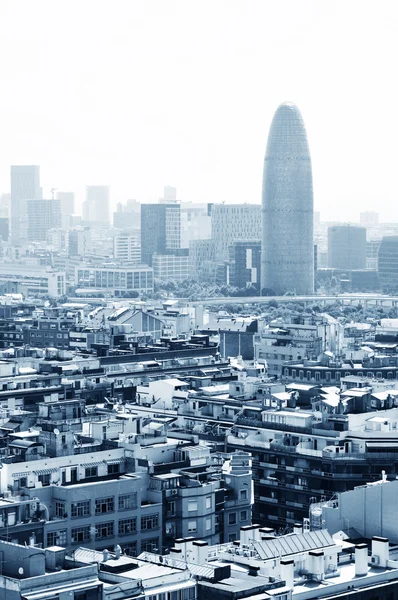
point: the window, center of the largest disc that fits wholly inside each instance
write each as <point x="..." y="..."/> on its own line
<point x="113" y="469"/>
<point x="45" y="478"/>
<point x="242" y="494"/>
<point x="130" y="548"/>
<point x="128" y="501"/>
<point x="104" y="530"/>
<point x="56" y="538"/>
<point x="150" y="545"/>
<point x="127" y="526"/>
<point x="192" y="505"/>
<point x="208" y="524"/>
<point x="232" y="518"/>
<point x="80" y="509"/>
<point x="243" y="515"/>
<point x="59" y="509"/>
<point x="149" y="522"/>
<point x="80" y="534"/>
<point x="91" y="472"/>
<point x="104" y="505"/>
<point x="192" y="526"/>
<point x="208" y="502"/>
<point x="171" y="509"/>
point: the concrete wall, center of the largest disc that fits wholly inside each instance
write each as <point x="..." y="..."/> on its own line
<point x="371" y="510"/>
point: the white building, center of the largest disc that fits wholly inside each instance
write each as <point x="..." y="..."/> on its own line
<point x="171" y="266"/>
<point x="31" y="280"/>
<point x="232" y="222"/>
<point x="127" y="248"/>
<point x="115" y="280"/>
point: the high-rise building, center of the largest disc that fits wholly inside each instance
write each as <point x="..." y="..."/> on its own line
<point x="388" y="263"/>
<point x="245" y="264"/>
<point x="195" y="222"/>
<point x="202" y="257"/>
<point x="369" y="218"/>
<point x="96" y="207"/>
<point x="160" y="230"/>
<point x="127" y="216"/>
<point x="42" y="216"/>
<point x="80" y="241"/>
<point x="25" y="185"/>
<point x="126" y="248"/>
<point x="232" y="222"/>
<point x="67" y="202"/>
<point x="346" y="247"/>
<point x="287" y="206"/>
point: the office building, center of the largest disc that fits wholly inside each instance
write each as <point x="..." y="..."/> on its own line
<point x="372" y="253"/>
<point x="31" y="280"/>
<point x="388" y="263"/>
<point x="126" y="248"/>
<point x="115" y="280"/>
<point x="25" y="185"/>
<point x="245" y="264"/>
<point x="369" y="218"/>
<point x="173" y="266"/>
<point x="160" y="230"/>
<point x="202" y="256"/>
<point x="4" y="228"/>
<point x="232" y="222"/>
<point x="43" y="215"/>
<point x="195" y="222"/>
<point x="346" y="247"/>
<point x="96" y="207"/>
<point x="80" y="242"/>
<point x="287" y="206"/>
<point x="127" y="216"/>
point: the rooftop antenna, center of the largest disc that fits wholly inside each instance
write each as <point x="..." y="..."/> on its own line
<point x="53" y="190"/>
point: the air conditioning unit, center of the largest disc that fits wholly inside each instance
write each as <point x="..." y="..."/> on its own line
<point x="375" y="560"/>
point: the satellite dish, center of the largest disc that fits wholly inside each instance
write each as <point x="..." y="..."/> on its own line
<point x="56" y="431"/>
<point x="21" y="571"/>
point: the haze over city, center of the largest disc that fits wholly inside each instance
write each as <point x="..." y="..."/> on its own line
<point x="136" y="95"/>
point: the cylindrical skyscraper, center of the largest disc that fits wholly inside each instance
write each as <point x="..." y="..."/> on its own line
<point x="287" y="261"/>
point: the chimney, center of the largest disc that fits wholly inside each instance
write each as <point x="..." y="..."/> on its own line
<point x="200" y="552"/>
<point x="380" y="552"/>
<point x="297" y="528"/>
<point x="361" y="559"/>
<point x="256" y="535"/>
<point x="118" y="551"/>
<point x="287" y="572"/>
<point x="246" y="534"/>
<point x="316" y="564"/>
<point x="105" y="555"/>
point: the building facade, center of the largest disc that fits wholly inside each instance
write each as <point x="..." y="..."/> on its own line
<point x="388" y="263"/>
<point x="43" y="215"/>
<point x="126" y="248"/>
<point x="232" y="222"/>
<point x="114" y="279"/>
<point x="160" y="229"/>
<point x="96" y="207"/>
<point x="25" y="185"/>
<point x="287" y="206"/>
<point x="171" y="266"/>
<point x="346" y="247"/>
<point x="245" y="264"/>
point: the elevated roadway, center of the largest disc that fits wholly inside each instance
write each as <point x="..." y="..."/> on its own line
<point x="365" y="299"/>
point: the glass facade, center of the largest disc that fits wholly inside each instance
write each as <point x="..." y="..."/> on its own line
<point x="287" y="263"/>
<point x="388" y="263"/>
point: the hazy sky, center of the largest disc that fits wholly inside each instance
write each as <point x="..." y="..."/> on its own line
<point x="141" y="93"/>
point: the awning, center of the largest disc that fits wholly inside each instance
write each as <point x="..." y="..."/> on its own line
<point x="94" y="464"/>
<point x="114" y="461"/>
<point x="46" y="471"/>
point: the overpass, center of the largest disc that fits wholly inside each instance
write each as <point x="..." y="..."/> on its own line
<point x="365" y="299"/>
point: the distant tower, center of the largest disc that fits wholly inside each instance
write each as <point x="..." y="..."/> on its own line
<point x="287" y="263"/>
